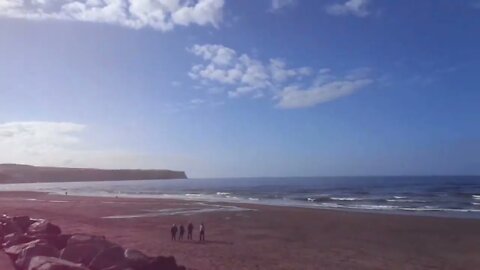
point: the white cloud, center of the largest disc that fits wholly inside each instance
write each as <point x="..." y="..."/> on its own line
<point x="39" y="142"/>
<point x="279" y="4"/>
<point x="245" y="74"/>
<point x="292" y="97"/>
<point x="280" y="73"/>
<point x="357" y="8"/>
<point x="218" y="54"/>
<point x="161" y="15"/>
<point x="62" y="144"/>
<point x="248" y="76"/>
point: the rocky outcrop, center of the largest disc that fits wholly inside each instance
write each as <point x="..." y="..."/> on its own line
<point x="43" y="227"/>
<point x="15" y="173"/>
<point x="33" y="250"/>
<point x="46" y="263"/>
<point x="39" y="245"/>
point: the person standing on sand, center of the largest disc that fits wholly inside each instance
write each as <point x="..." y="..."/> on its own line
<point x="190" y="231"/>
<point x="202" y="232"/>
<point x="173" y="231"/>
<point x="182" y="231"/>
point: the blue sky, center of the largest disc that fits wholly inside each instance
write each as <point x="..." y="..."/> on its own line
<point x="242" y="88"/>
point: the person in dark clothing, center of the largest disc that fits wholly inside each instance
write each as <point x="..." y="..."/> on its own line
<point x="173" y="231"/>
<point x="190" y="231"/>
<point x="202" y="232"/>
<point x="182" y="232"/>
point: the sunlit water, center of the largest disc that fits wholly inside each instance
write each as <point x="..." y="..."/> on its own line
<point x="457" y="196"/>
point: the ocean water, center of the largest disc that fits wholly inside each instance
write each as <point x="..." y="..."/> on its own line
<point x="455" y="196"/>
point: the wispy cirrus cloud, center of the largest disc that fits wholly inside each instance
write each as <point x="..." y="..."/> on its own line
<point x="357" y="8"/>
<point x="293" y="97"/>
<point x="291" y="87"/>
<point x="160" y="15"/>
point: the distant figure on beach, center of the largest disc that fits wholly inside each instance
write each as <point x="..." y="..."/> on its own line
<point x="190" y="231"/>
<point x="202" y="232"/>
<point x="182" y="232"/>
<point x="174" y="230"/>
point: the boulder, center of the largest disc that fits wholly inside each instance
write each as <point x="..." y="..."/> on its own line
<point x="52" y="263"/>
<point x="23" y="222"/>
<point x="62" y="240"/>
<point x="82" y="253"/>
<point x="109" y="257"/>
<point x="59" y="241"/>
<point x="136" y="259"/>
<point x="85" y="238"/>
<point x="39" y="249"/>
<point x="5" y="262"/>
<point x="2" y="232"/>
<point x="43" y="227"/>
<point x="14" y="251"/>
<point x="8" y="227"/>
<point x="4" y="217"/>
<point x="82" y="248"/>
<point x="14" y="239"/>
<point x="163" y="263"/>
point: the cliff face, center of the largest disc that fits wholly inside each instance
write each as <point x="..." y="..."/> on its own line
<point x="14" y="173"/>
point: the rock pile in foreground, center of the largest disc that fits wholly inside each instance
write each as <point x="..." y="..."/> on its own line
<point x="37" y="244"/>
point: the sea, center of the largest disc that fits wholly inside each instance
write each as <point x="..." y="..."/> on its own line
<point x="452" y="196"/>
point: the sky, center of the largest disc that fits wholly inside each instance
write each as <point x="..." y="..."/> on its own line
<point x="222" y="88"/>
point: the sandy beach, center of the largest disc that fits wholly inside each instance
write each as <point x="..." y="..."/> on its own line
<point x="246" y="236"/>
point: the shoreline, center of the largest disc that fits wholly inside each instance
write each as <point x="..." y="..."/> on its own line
<point x="266" y="237"/>
<point x="411" y="197"/>
<point x="459" y="214"/>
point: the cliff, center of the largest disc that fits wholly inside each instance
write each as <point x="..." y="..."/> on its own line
<point x="15" y="173"/>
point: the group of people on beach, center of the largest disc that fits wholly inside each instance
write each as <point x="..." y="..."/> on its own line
<point x="181" y="231"/>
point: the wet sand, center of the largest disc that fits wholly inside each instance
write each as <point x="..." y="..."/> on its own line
<point x="262" y="237"/>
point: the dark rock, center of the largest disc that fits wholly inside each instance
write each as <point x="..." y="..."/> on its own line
<point x="136" y="259"/>
<point x="15" y="239"/>
<point x="163" y="263"/>
<point x="39" y="249"/>
<point x="43" y="227"/>
<point x="85" y="238"/>
<point x="4" y="218"/>
<point x="59" y="241"/>
<point x="2" y="231"/>
<point x="82" y="248"/>
<point x="82" y="253"/>
<point x="14" y="251"/>
<point x="23" y="222"/>
<point x="9" y="227"/>
<point x="108" y="258"/>
<point x="51" y="263"/>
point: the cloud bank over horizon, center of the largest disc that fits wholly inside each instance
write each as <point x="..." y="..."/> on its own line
<point x="44" y="143"/>
<point x="163" y="15"/>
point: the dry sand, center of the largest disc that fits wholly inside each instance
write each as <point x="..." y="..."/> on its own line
<point x="263" y="237"/>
